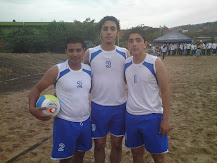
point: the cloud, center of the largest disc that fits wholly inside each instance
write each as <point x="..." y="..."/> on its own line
<point x="131" y="13"/>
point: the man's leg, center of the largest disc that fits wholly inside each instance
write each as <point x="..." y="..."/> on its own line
<point x="78" y="156"/>
<point x="138" y="154"/>
<point x="68" y="160"/>
<point x="99" y="150"/>
<point x="159" y="158"/>
<point x="116" y="149"/>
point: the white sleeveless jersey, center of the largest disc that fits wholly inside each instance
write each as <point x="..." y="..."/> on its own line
<point x="143" y="89"/>
<point x="72" y="89"/>
<point x="108" y="86"/>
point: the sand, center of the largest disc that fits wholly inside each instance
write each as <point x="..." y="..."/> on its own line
<point x="193" y="138"/>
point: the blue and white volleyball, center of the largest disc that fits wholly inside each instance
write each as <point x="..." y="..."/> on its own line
<point x="51" y="102"/>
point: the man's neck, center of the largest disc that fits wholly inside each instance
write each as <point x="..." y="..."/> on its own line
<point x="137" y="59"/>
<point x="107" y="46"/>
<point x="74" y="66"/>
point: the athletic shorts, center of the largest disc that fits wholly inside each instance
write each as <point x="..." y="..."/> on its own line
<point x="197" y="52"/>
<point x="144" y="130"/>
<point x="105" y="119"/>
<point x="69" y="135"/>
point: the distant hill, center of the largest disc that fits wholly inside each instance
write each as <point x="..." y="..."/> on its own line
<point x="208" y="29"/>
<point x="209" y="26"/>
<point x="206" y="32"/>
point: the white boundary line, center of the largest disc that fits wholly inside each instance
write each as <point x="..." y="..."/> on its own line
<point x="20" y="77"/>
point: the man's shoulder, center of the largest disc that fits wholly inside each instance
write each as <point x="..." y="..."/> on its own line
<point x="63" y="62"/>
<point x="62" y="65"/>
<point x="129" y="59"/>
<point x="121" y="48"/>
<point x="86" y="66"/>
<point x="123" y="51"/>
<point x="94" y="49"/>
<point x="150" y="58"/>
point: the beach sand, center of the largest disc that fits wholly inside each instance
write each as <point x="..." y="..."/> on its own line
<point x="193" y="118"/>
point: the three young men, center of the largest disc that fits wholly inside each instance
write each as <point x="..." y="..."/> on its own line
<point x="145" y="75"/>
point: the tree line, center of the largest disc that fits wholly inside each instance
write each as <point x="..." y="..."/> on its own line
<point x="50" y="38"/>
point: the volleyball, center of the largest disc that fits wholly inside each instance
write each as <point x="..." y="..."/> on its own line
<point x="51" y="102"/>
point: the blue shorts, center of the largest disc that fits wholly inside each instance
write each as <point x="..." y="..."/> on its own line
<point x="105" y="119"/>
<point x="69" y="135"/>
<point x="144" y="130"/>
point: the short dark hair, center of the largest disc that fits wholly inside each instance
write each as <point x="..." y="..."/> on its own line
<point x="75" y="39"/>
<point x="108" y="18"/>
<point x="138" y="30"/>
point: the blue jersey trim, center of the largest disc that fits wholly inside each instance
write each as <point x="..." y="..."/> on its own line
<point x="128" y="64"/>
<point x="95" y="54"/>
<point x="121" y="53"/>
<point x="151" y="68"/>
<point x="87" y="71"/>
<point x="62" y="73"/>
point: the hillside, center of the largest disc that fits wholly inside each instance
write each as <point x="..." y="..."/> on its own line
<point x="208" y="29"/>
<point x="198" y="27"/>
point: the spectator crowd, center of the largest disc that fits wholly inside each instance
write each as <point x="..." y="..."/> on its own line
<point x="188" y="49"/>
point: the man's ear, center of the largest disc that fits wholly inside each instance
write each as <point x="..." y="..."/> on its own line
<point x="145" y="45"/>
<point x="118" y="33"/>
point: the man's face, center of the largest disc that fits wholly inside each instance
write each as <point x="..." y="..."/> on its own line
<point x="136" y="44"/>
<point x="74" y="52"/>
<point x="109" y="32"/>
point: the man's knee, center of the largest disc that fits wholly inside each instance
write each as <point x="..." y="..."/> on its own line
<point x="116" y="142"/>
<point x="159" y="158"/>
<point x="138" y="152"/>
<point x="79" y="155"/>
<point x="100" y="144"/>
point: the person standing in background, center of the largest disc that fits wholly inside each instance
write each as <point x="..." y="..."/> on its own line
<point x="203" y="48"/>
<point x="180" y="49"/>
<point x="185" y="49"/>
<point x="208" y="47"/>
<point x="164" y="51"/>
<point x="188" y="49"/>
<point x="214" y="48"/>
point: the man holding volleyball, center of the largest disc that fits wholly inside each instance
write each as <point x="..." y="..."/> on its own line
<point x="72" y="82"/>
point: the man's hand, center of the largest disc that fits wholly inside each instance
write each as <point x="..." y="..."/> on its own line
<point x="37" y="112"/>
<point x="164" y="127"/>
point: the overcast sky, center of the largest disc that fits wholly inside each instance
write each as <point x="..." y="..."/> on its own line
<point x="154" y="13"/>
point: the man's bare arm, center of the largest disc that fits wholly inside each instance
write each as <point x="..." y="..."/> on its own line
<point x="48" y="79"/>
<point x="86" y="57"/>
<point x="162" y="77"/>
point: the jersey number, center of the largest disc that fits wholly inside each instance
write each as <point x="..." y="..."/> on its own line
<point x="62" y="146"/>
<point x="79" y="84"/>
<point x="108" y="64"/>
<point x="135" y="79"/>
